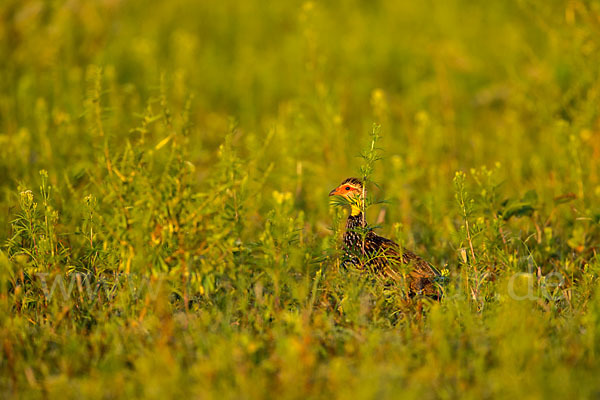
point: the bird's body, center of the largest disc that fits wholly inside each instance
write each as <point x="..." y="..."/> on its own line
<point x="369" y="251"/>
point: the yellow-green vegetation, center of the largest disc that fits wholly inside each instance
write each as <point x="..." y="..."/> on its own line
<point x="165" y="227"/>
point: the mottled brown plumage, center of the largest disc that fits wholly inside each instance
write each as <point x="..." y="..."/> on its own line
<point x="381" y="255"/>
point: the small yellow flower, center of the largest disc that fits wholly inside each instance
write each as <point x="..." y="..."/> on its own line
<point x="26" y="198"/>
<point x="308" y="6"/>
<point x="280" y="197"/>
<point x="585" y="134"/>
<point x="377" y="96"/>
<point x="422" y="118"/>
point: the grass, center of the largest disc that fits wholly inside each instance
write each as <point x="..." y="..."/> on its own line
<point x="164" y="218"/>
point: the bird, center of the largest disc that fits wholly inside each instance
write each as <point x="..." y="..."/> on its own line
<point x="366" y="250"/>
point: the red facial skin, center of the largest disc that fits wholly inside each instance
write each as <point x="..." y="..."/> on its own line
<point x="345" y="190"/>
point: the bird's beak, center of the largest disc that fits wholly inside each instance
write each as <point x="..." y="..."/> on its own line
<point x="333" y="192"/>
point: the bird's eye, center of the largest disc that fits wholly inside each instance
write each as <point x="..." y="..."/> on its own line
<point x="347" y="187"/>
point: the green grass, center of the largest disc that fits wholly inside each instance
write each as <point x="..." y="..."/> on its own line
<point x="168" y="163"/>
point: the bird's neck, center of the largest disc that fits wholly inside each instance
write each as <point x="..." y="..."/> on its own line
<point x="355" y="220"/>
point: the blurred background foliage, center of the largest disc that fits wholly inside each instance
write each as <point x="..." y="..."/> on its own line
<point x="176" y="156"/>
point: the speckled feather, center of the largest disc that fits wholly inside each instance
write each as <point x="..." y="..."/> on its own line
<point x="384" y="256"/>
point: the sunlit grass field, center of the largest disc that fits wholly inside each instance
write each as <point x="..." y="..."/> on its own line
<point x="165" y="225"/>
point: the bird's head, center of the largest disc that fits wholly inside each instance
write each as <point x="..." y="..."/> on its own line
<point x="351" y="190"/>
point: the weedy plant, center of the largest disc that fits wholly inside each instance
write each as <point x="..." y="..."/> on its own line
<point x="370" y="156"/>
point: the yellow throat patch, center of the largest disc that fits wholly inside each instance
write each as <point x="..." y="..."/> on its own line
<point x="354" y="210"/>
